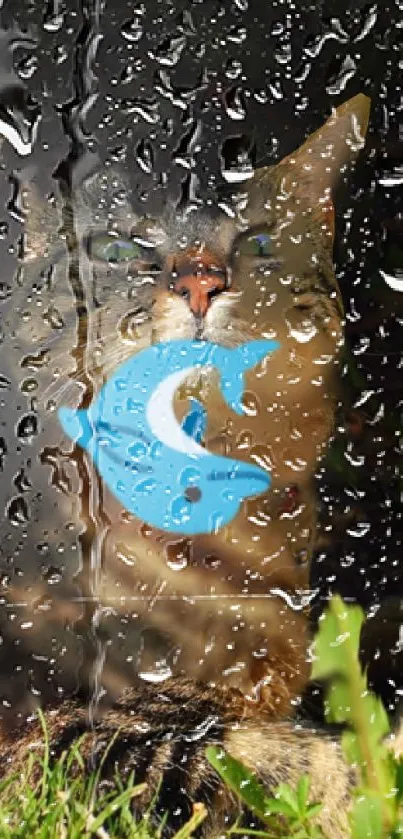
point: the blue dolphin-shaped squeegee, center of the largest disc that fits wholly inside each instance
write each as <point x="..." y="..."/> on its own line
<point x="156" y="467"/>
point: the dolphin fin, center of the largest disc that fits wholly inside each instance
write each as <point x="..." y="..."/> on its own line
<point x="76" y="425"/>
<point x="195" y="421"/>
<point x="241" y="359"/>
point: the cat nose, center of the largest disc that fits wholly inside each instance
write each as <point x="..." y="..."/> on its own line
<point x="199" y="291"/>
<point x="199" y="280"/>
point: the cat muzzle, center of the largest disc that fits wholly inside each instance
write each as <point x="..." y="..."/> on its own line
<point x="198" y="277"/>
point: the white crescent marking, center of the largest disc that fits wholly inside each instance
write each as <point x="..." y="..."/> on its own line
<point x="162" y="420"/>
<point x="391" y="281"/>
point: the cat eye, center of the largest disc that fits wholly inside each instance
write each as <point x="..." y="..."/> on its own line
<point x="107" y="247"/>
<point x="304" y="302"/>
<point x="258" y="245"/>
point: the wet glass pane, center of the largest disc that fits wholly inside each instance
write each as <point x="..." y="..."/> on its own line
<point x="201" y="335"/>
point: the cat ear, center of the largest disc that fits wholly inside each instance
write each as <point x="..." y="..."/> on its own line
<point x="325" y="154"/>
<point x="316" y="167"/>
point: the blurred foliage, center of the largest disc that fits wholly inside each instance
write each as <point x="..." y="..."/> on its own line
<point x="377" y="799"/>
<point x="376" y="810"/>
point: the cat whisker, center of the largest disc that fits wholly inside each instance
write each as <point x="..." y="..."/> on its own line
<point x="81" y="369"/>
<point x="57" y="396"/>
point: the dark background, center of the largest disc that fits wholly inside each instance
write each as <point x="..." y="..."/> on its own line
<point x="177" y="92"/>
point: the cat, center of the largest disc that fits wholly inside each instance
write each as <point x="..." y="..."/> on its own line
<point x="210" y="631"/>
<point x="97" y="284"/>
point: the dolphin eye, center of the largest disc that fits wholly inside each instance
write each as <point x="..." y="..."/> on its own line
<point x="107" y="247"/>
<point x="192" y="494"/>
<point x="256" y="245"/>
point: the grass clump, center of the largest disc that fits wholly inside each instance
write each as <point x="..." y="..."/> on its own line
<point x="66" y="802"/>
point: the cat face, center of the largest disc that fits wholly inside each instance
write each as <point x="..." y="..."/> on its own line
<point x="259" y="265"/>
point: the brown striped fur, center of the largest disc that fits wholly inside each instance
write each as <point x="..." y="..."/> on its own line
<point x="161" y="734"/>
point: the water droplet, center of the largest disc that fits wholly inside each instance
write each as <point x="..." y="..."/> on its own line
<point x="129" y="72"/>
<point x="145" y="156"/>
<point x="29" y="385"/>
<point x="22" y="482"/>
<point x="283" y="54"/>
<point x="339" y="77"/>
<point x="298" y="600"/>
<point x="261" y="96"/>
<point x="392" y="178"/>
<point x="201" y="730"/>
<point x="188" y="144"/>
<point x="347" y="561"/>
<point x="137" y="450"/>
<point x="145" y="487"/>
<point x="237" y="159"/>
<point x="276" y="89"/>
<point x="169" y="51"/>
<point x="179" y="96"/>
<point x="42" y="548"/>
<point x="177" y="564"/>
<point x="360" y="529"/>
<point x="27" y="67"/>
<point x="305" y="333"/>
<point x="15" y="204"/>
<point x="3" y="451"/>
<point x="368" y="23"/>
<point x="27" y="428"/>
<point x="18" y="511"/>
<point x="53" y="576"/>
<point x="235" y="104"/>
<point x="53" y="317"/>
<point x="26" y="624"/>
<point x="60" y="54"/>
<point x="37" y="361"/>
<point x="54" y="17"/>
<point x="161" y="672"/>
<point x="123" y="554"/>
<point x="357" y="460"/>
<point x="118" y="154"/>
<point x="237" y="35"/>
<point x="133" y="29"/>
<point x="314" y="45"/>
<point x="185" y="23"/>
<point x="250" y="404"/>
<point x="5" y="383"/>
<point x="233" y="68"/>
<point x="180" y="509"/>
<point x="147" y="109"/>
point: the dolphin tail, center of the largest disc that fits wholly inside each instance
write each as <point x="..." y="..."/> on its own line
<point x="76" y="425"/>
<point x="238" y="361"/>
